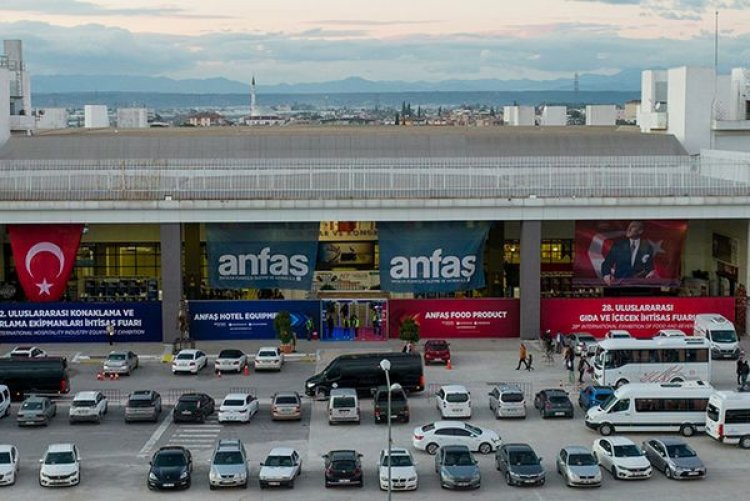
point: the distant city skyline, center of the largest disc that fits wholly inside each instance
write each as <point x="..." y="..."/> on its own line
<point x="300" y="41"/>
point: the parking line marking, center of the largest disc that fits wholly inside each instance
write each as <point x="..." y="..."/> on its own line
<point x="155" y="436"/>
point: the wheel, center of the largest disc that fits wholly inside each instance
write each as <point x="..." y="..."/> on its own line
<point x="621" y="382"/>
<point x="668" y="472"/>
<point x="677" y="380"/>
<point x="745" y="442"/>
<point x="291" y="484"/>
<point x="211" y="487"/>
<point x="244" y="486"/>
<point x="613" y="470"/>
<point x="508" y="479"/>
<point x="128" y="373"/>
<point x="687" y="430"/>
<point x="432" y="449"/>
<point x="606" y="429"/>
<point x="485" y="448"/>
<point x="262" y="485"/>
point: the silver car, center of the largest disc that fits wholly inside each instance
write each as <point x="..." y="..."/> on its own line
<point x="583" y="341"/>
<point x="229" y="465"/>
<point x="36" y="410"/>
<point x="674" y="457"/>
<point x="120" y="362"/>
<point x="578" y="467"/>
<point x="457" y="468"/>
<point x="143" y="405"/>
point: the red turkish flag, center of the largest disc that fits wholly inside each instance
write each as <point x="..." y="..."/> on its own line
<point x="44" y="255"/>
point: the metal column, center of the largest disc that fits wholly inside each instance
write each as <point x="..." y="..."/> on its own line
<point x="171" y="278"/>
<point x="530" y="278"/>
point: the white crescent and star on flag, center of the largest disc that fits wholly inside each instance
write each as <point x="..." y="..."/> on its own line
<point x="48" y="247"/>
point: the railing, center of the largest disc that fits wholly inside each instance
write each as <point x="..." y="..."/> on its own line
<point x="373" y="179"/>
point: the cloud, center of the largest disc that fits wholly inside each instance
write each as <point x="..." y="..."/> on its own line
<point x="679" y="9"/>
<point x="368" y="22"/>
<point x="84" y="8"/>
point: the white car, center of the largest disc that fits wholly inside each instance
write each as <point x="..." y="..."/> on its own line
<point x="618" y="334"/>
<point x="431" y="437"/>
<point x="190" y="361"/>
<point x="61" y="466"/>
<point x="453" y="401"/>
<point x="27" y="352"/>
<point x="622" y="458"/>
<point x="238" y="407"/>
<point x="230" y="361"/>
<point x="670" y="333"/>
<point x="403" y="470"/>
<point x="8" y="464"/>
<point x="269" y="358"/>
<point x="88" y="406"/>
<point x="4" y="401"/>
<point x="281" y="467"/>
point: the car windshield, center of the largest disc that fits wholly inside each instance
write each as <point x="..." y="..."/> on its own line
<point x="626" y="451"/>
<point x="228" y="457"/>
<point x="581" y="460"/>
<point x="680" y="451"/>
<point x="344" y="465"/>
<point x="398" y="460"/>
<point x="116" y="356"/>
<point x="31" y="406"/>
<point x="287" y="400"/>
<point x="234" y="403"/>
<point x="558" y="399"/>
<point x="59" y="458"/>
<point x="84" y="403"/>
<point x="523" y="458"/>
<point x="724" y="336"/>
<point x="343" y="402"/>
<point x="4" y="457"/>
<point x="279" y="461"/>
<point x="608" y="402"/>
<point x="230" y="354"/>
<point x="458" y="459"/>
<point x="185" y="356"/>
<point x="270" y="354"/>
<point x="457" y="397"/>
<point x="170" y="459"/>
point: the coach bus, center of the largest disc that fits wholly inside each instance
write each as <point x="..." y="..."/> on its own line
<point x="658" y="360"/>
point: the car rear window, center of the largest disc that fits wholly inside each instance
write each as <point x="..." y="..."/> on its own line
<point x="344" y="465"/>
<point x="438" y="346"/>
<point x="117" y="356"/>
<point x="139" y="402"/>
<point x="396" y="396"/>
<point x="428" y="427"/>
<point x="234" y="403"/>
<point x="185" y="356"/>
<point x="187" y="404"/>
<point x="287" y="400"/>
<point x="511" y="397"/>
<point x="84" y="403"/>
<point x="555" y="399"/>
<point x="457" y="398"/>
<point x="271" y="354"/>
<point x="230" y="354"/>
<point x="342" y="402"/>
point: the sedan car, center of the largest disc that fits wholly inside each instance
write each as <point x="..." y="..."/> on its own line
<point x="143" y="405"/>
<point x="230" y="361"/>
<point x="593" y="396"/>
<point x="120" y="362"/>
<point x="238" y="408"/>
<point x="229" y="465"/>
<point x="281" y="467"/>
<point x="553" y="403"/>
<point x="9" y="464"/>
<point x="622" y="458"/>
<point x="193" y="407"/>
<point x="578" y="467"/>
<point x="674" y="457"/>
<point x="436" y="351"/>
<point x="88" y="406"/>
<point x="268" y="358"/>
<point x="27" y="352"/>
<point x="431" y="437"/>
<point x="582" y="342"/>
<point x="343" y="467"/>
<point x="403" y="470"/>
<point x="171" y="468"/>
<point x="36" y="410"/>
<point x="520" y="465"/>
<point x="60" y="466"/>
<point x="190" y="361"/>
<point x="286" y="405"/>
<point x="457" y="468"/>
<point x="453" y="401"/>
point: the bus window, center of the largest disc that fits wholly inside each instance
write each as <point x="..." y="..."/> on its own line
<point x="670" y="356"/>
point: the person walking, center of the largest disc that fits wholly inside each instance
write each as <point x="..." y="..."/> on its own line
<point x="559" y="341"/>
<point x="309" y="328"/>
<point x="522" y="354"/>
<point x="329" y="324"/>
<point x="110" y="333"/>
<point x="569" y="358"/>
<point x="375" y="319"/>
<point x="354" y="321"/>
<point x="744" y="371"/>
<point x="583" y="366"/>
<point x="740" y="362"/>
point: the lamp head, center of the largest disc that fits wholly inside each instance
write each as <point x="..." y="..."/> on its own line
<point x="385" y="364"/>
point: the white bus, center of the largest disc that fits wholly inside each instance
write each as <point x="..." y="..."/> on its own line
<point x="653" y="407"/>
<point x="658" y="360"/>
<point x="728" y="418"/>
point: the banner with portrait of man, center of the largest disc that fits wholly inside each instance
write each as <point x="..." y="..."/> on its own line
<point x="630" y="253"/>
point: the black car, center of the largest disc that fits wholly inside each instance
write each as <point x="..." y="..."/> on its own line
<point x="193" y="407"/>
<point x="399" y="405"/>
<point x="171" y="468"/>
<point x="553" y="403"/>
<point x="519" y="464"/>
<point x="343" y="468"/>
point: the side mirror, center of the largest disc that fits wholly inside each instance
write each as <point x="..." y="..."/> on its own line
<point x="41" y="461"/>
<point x="261" y="463"/>
<point x="360" y="455"/>
<point x="540" y="460"/>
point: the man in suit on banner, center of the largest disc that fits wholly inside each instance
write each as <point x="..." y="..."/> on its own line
<point x="631" y="257"/>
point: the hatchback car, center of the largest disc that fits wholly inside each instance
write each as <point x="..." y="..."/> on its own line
<point x="281" y="467"/>
<point x="553" y="403"/>
<point x="9" y="464"/>
<point x="286" y="405"/>
<point x="404" y="475"/>
<point x="88" y="406"/>
<point x="674" y="457"/>
<point x="343" y="406"/>
<point x="507" y="401"/>
<point x="120" y="362"/>
<point x="431" y="437"/>
<point x="27" y="352"/>
<point x="238" y="408"/>
<point x="436" y="351"/>
<point x="457" y="468"/>
<point x="343" y="467"/>
<point x="36" y="410"/>
<point x="520" y="465"/>
<point x="229" y="465"/>
<point x="268" y="358"/>
<point x="190" y="361"/>
<point x="593" y="396"/>
<point x="453" y="401"/>
<point x="622" y="458"/>
<point x="60" y="466"/>
<point x="578" y="467"/>
<point x="143" y="405"/>
<point x="193" y="407"/>
<point x="582" y="342"/>
<point x="171" y="468"/>
<point x="230" y="361"/>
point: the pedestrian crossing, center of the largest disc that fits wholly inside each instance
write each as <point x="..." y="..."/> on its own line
<point x="197" y="436"/>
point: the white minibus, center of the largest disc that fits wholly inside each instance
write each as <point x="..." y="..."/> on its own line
<point x="720" y="333"/>
<point x="664" y="407"/>
<point x="728" y="418"/>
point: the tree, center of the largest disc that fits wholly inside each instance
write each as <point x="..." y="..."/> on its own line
<point x="409" y="330"/>
<point x="282" y="324"/>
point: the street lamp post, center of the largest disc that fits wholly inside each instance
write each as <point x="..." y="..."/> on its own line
<point x="385" y="364"/>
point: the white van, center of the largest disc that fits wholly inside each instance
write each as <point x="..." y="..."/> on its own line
<point x="343" y="406"/>
<point x="728" y="418"/>
<point x="507" y="401"/>
<point x="640" y="407"/>
<point x="720" y="332"/>
<point x="4" y="400"/>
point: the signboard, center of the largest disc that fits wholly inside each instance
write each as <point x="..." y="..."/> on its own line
<point x="457" y="318"/>
<point x="641" y="316"/>
<point x="214" y="320"/>
<point x="345" y="254"/>
<point x="23" y="323"/>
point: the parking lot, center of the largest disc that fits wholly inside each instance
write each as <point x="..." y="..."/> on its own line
<point x="115" y="455"/>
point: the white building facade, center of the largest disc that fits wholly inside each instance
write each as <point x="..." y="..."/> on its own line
<point x="519" y="115"/>
<point x="132" y="118"/>
<point x="95" y="116"/>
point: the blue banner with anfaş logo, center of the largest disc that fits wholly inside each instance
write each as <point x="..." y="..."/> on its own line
<point x="432" y="256"/>
<point x="262" y="255"/>
<point x="214" y="320"/>
<point x="23" y="323"/>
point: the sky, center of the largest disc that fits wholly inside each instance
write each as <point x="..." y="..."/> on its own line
<point x="293" y="41"/>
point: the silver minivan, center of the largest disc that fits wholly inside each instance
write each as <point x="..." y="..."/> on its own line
<point x="343" y="406"/>
<point x="507" y="401"/>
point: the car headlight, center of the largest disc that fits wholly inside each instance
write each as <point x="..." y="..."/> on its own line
<point x="241" y="476"/>
<point x="152" y="476"/>
<point x="213" y="475"/>
<point x="476" y="476"/>
<point x="384" y="479"/>
<point x="183" y="475"/>
<point x="412" y="479"/>
<point x="309" y="384"/>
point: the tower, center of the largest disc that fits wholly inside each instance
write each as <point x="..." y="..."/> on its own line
<point x="252" y="98"/>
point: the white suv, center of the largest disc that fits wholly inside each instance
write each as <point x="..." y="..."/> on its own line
<point x="61" y="466"/>
<point x="453" y="401"/>
<point x="88" y="406"/>
<point x="190" y="361"/>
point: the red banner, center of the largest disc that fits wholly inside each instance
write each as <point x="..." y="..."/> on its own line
<point x="457" y="318"/>
<point x="628" y="253"/>
<point x="641" y="316"/>
<point x="44" y="256"/>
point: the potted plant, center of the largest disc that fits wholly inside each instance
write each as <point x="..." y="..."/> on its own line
<point x="409" y="331"/>
<point x="282" y="324"/>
